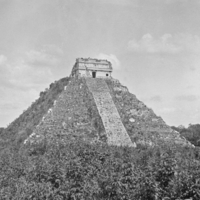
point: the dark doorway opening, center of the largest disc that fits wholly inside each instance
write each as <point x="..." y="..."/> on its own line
<point x="93" y="74"/>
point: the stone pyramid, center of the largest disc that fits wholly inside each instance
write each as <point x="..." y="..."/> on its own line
<point x="102" y="110"/>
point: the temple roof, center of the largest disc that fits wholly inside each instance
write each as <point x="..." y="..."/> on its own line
<point x="93" y="64"/>
<point x="93" y="61"/>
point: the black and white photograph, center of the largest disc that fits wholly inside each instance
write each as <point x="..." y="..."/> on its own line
<point x="100" y="100"/>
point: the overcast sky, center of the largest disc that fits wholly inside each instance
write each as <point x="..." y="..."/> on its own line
<point x="154" y="46"/>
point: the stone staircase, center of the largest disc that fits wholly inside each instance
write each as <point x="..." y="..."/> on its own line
<point x="115" y="130"/>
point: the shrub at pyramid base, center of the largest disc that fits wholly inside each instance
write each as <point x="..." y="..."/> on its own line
<point x="102" y="110"/>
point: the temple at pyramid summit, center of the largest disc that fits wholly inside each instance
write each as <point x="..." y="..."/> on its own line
<point x="90" y="67"/>
<point x="94" y="107"/>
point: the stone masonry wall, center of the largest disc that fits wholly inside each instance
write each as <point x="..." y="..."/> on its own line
<point x="116" y="133"/>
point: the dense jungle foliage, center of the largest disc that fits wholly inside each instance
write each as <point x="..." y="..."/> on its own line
<point x="73" y="169"/>
<point x="192" y="133"/>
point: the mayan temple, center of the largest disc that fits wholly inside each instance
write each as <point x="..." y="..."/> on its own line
<point x="95" y="107"/>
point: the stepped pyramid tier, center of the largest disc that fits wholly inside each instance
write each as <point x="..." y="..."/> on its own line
<point x="102" y="110"/>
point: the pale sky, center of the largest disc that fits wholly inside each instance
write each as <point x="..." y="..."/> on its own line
<point x="154" y="46"/>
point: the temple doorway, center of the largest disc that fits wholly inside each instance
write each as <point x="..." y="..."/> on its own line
<point x="93" y="74"/>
